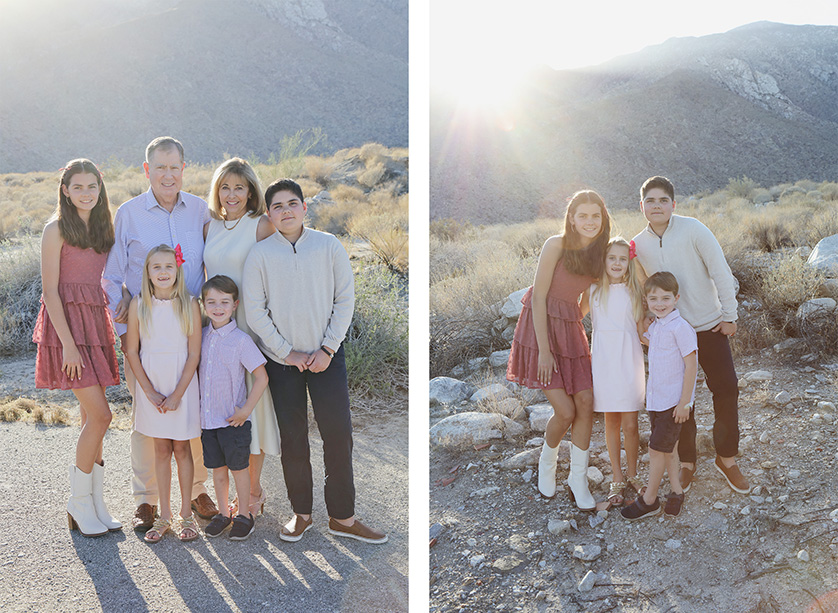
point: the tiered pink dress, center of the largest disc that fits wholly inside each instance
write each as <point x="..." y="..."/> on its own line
<point x="86" y="311"/>
<point x="568" y="342"/>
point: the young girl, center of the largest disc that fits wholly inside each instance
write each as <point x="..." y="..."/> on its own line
<point x="163" y="349"/>
<point x="616" y="302"/>
<point x="74" y="331"/>
<point x="550" y="350"/>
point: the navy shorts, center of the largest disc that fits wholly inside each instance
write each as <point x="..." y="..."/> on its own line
<point x="228" y="447"/>
<point x="665" y="431"/>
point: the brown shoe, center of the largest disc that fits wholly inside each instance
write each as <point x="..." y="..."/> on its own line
<point x="144" y="516"/>
<point x="293" y="531"/>
<point x="686" y="477"/>
<point x="734" y="477"/>
<point x="357" y="531"/>
<point x="204" y="507"/>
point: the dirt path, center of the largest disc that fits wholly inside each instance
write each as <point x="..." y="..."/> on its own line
<point x="44" y="567"/>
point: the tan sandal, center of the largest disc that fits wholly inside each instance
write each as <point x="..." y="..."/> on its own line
<point x="616" y="491"/>
<point x="188" y="523"/>
<point x="157" y="530"/>
<point x="636" y="484"/>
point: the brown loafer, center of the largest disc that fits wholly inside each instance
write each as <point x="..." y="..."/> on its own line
<point x="686" y="476"/>
<point x="294" y="533"/>
<point x="204" y="507"/>
<point x="144" y="516"/>
<point x="357" y="531"/>
<point x="734" y="477"/>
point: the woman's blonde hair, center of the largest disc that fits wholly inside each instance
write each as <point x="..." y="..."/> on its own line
<point x="236" y="166"/>
<point x="629" y="278"/>
<point x="181" y="299"/>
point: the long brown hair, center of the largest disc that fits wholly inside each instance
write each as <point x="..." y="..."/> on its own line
<point x="590" y="260"/>
<point x="98" y="233"/>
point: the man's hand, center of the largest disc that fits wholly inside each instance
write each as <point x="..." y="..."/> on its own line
<point x="319" y="361"/>
<point x="298" y="359"/>
<point x="121" y="310"/>
<point x="238" y="418"/>
<point x="728" y="328"/>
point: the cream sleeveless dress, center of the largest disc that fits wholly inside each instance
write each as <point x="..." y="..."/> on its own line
<point x="224" y="254"/>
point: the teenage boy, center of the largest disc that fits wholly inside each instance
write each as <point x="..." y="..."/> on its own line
<point x="688" y="249"/>
<point x="226" y="407"/>
<point x="670" y="393"/>
<point x="299" y="296"/>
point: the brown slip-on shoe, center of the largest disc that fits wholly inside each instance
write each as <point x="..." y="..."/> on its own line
<point x="357" y="531"/>
<point x="734" y="477"/>
<point x="204" y="507"/>
<point x="686" y="477"/>
<point x="301" y="526"/>
<point x="144" y="516"/>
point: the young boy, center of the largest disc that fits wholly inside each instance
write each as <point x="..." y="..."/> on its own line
<point x="687" y="248"/>
<point x="299" y="296"/>
<point x="670" y="393"/>
<point x="226" y="406"/>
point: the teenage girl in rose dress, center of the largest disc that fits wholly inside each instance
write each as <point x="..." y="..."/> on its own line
<point x="74" y="332"/>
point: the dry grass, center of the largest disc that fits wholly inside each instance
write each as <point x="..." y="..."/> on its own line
<point x="27" y="410"/>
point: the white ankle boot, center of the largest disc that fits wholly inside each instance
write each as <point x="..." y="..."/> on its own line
<point x="80" y="512"/>
<point x="547" y="470"/>
<point x="99" y="501"/>
<point x="577" y="481"/>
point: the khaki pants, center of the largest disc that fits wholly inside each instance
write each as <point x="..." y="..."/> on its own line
<point x="144" y="481"/>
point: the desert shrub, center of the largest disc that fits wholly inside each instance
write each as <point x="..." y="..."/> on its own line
<point x="377" y="341"/>
<point x="743" y="187"/>
<point x="372" y="153"/>
<point x="20" y="292"/>
<point x="319" y="169"/>
<point x="768" y="234"/>
<point x="820" y="225"/>
<point x="783" y="287"/>
<point x="449" y="229"/>
<point x="829" y="190"/>
<point x="524" y="239"/>
<point x="26" y="409"/>
<point x="372" y="175"/>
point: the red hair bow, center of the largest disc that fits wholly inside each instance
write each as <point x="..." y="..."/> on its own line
<point x="632" y="250"/>
<point x="179" y="256"/>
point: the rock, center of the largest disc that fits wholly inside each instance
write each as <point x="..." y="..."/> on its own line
<point x="757" y="499"/>
<point x="508" y="334"/>
<point x="817" y="308"/>
<point x="510" y="407"/>
<point x="512" y="307"/>
<point x="499" y="358"/>
<point x="756" y="490"/>
<point x="803" y="555"/>
<point x="436" y="529"/>
<point x="558" y="526"/>
<point x="445" y="390"/>
<point x="476" y="364"/>
<point x="539" y="415"/>
<point x="527" y="476"/>
<point x="719" y="505"/>
<point x="826" y="407"/>
<point x="522" y="460"/>
<point x="746" y="510"/>
<point x="587" y="553"/>
<point x="476" y="560"/>
<point x="673" y="544"/>
<point x="595" y="520"/>
<point x="788" y="345"/>
<point x="507" y="564"/>
<point x="758" y="375"/>
<point x="518" y="544"/>
<point x="471" y="428"/>
<point x="519" y="414"/>
<point x="824" y="256"/>
<point x="765" y="437"/>
<point x="491" y="393"/>
<point x="829" y="289"/>
<point x="794" y="473"/>
<point x="588" y="581"/>
<point x="783" y="398"/>
<point x="704" y="442"/>
<point x="536" y="441"/>
<point x="595" y="475"/>
<point x="484" y="492"/>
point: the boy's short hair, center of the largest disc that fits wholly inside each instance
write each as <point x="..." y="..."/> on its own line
<point x="282" y="185"/>
<point x="661" y="280"/>
<point x="221" y="283"/>
<point x="660" y="182"/>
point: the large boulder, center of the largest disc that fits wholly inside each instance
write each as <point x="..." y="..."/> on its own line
<point x="492" y="393"/>
<point x="473" y="428"/>
<point x="445" y="390"/>
<point x="499" y="358"/>
<point x="511" y="309"/>
<point x="824" y="256"/>
<point x="538" y="415"/>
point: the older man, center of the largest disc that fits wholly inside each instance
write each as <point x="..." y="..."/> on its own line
<point x="163" y="214"/>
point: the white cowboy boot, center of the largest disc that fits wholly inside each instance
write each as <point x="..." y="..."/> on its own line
<point x="547" y="470"/>
<point x="577" y="480"/>
<point x="80" y="512"/>
<point x="99" y="501"/>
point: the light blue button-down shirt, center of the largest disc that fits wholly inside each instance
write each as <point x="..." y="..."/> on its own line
<point x="140" y="225"/>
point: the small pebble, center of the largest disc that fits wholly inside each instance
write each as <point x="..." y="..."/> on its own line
<point x="803" y="555"/>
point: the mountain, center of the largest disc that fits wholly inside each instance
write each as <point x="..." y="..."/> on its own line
<point x="760" y="100"/>
<point x="101" y="78"/>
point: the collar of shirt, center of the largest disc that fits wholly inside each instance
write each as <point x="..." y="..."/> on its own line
<point x="282" y="239"/>
<point x="668" y="226"/>
<point x="673" y="315"/>
<point x="151" y="201"/>
<point x="223" y="330"/>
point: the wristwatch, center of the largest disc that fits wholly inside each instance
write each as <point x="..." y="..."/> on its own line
<point x="328" y="351"/>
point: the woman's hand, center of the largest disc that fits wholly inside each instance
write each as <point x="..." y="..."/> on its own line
<point x="155" y="398"/>
<point x="170" y="403"/>
<point x="72" y="363"/>
<point x="546" y="367"/>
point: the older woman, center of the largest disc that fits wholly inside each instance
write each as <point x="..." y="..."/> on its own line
<point x="237" y="206"/>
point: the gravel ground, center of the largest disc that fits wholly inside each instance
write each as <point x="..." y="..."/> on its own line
<point x="44" y="567"/>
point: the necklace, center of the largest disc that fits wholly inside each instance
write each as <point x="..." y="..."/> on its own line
<point x="224" y="221"/>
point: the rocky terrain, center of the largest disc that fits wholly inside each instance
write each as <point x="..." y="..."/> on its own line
<point x="224" y="77"/>
<point x="757" y="101"/>
<point x="496" y="545"/>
